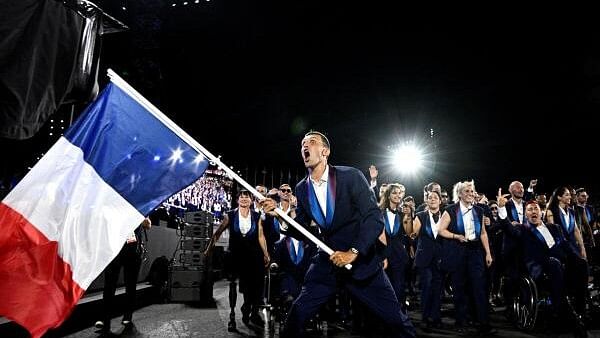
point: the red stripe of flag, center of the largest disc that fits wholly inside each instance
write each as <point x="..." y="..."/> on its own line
<point x="33" y="275"/>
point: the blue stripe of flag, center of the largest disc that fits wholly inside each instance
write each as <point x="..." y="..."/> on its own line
<point x="134" y="152"/>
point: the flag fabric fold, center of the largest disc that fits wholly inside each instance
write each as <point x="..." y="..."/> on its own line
<point x="71" y="214"/>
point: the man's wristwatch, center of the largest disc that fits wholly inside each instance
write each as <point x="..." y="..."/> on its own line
<point x="354" y="251"/>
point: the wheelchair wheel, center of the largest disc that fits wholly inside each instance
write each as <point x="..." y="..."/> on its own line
<point x="525" y="304"/>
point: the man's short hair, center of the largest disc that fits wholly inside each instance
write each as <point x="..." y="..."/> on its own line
<point x="531" y="202"/>
<point x="321" y="135"/>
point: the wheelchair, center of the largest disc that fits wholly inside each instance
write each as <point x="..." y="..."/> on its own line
<point x="528" y="298"/>
<point x="276" y="307"/>
<point x="271" y="308"/>
<point x="593" y="295"/>
<point x="526" y="303"/>
<point x="532" y="299"/>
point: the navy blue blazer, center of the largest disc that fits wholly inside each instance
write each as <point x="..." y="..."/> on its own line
<point x="357" y="221"/>
<point x="454" y="252"/>
<point x="396" y="245"/>
<point x="567" y="229"/>
<point x="271" y="232"/>
<point x="283" y="258"/>
<point x="509" y="244"/>
<point x="247" y="255"/>
<point x="511" y="209"/>
<point x="428" y="248"/>
<point x="536" y="254"/>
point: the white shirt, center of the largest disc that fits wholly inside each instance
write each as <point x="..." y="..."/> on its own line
<point x="467" y="216"/>
<point x="256" y="207"/>
<point x="519" y="207"/>
<point x="566" y="215"/>
<point x="546" y="234"/>
<point x="245" y="222"/>
<point x="287" y="211"/>
<point x="391" y="219"/>
<point x="295" y="243"/>
<point x="284" y="227"/>
<point x="320" y="187"/>
<point x="502" y="213"/>
<point x="435" y="226"/>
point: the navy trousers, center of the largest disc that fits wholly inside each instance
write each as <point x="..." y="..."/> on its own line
<point x="473" y="268"/>
<point x="397" y="276"/>
<point x="375" y="292"/>
<point x="431" y="292"/>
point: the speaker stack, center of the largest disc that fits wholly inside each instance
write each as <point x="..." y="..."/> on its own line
<point x="190" y="275"/>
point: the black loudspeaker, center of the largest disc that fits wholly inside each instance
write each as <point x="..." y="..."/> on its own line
<point x="194" y="244"/>
<point x="189" y="285"/>
<point x="190" y="279"/>
<point x="184" y="295"/>
<point x="186" y="278"/>
<point x="199" y="217"/>
<point x="193" y="259"/>
<point x="197" y="230"/>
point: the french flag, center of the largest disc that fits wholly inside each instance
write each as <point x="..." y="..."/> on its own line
<point x="71" y="214"/>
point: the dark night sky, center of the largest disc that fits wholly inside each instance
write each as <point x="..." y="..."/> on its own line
<point x="504" y="95"/>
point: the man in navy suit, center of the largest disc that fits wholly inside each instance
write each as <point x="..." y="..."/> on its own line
<point x="546" y="251"/>
<point x="510" y="257"/>
<point x="340" y="202"/>
<point x="292" y="258"/>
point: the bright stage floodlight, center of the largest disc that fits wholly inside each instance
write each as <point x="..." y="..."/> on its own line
<point x="408" y="159"/>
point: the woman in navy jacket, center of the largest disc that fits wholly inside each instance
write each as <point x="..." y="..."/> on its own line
<point x="428" y="257"/>
<point x="395" y="236"/>
<point x="466" y="253"/>
<point x="559" y="212"/>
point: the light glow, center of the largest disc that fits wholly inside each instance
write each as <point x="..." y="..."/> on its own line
<point x="176" y="156"/>
<point x="408" y="159"/>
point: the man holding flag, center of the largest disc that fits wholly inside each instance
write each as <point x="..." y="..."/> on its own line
<point x="70" y="215"/>
<point x="339" y="200"/>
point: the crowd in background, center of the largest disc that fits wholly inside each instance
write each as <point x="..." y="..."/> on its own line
<point x="487" y="277"/>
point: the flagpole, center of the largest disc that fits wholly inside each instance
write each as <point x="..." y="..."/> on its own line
<point x="121" y="83"/>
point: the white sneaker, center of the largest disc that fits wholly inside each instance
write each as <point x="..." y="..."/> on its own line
<point x="99" y="324"/>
